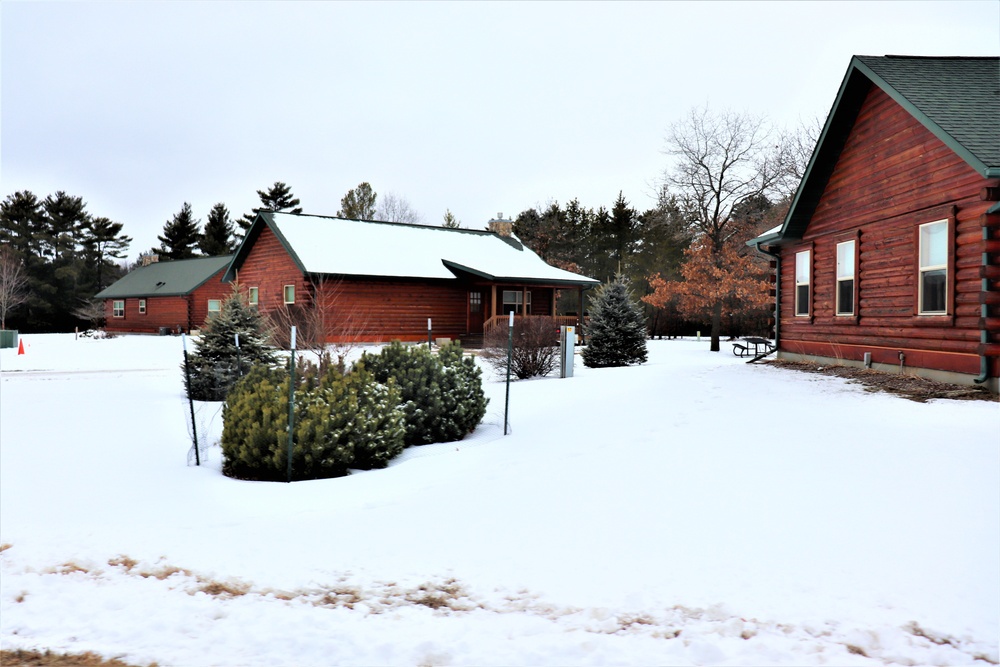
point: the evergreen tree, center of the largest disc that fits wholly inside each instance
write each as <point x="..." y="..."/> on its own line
<point x="102" y="241"/>
<point x="450" y="221"/>
<point x="65" y="217"/>
<point x="358" y="203"/>
<point x="617" y="331"/>
<point x="216" y="363"/>
<point x="218" y="236"/>
<point x="276" y="198"/>
<point x="22" y="223"/>
<point x="180" y="235"/>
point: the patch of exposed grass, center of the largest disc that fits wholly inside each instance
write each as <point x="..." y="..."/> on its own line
<point x="20" y="658"/>
<point x="5" y="546"/>
<point x="228" y="589"/>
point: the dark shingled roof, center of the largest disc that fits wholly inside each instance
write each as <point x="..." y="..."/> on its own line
<point x="961" y="96"/>
<point x="956" y="98"/>
<point x="175" y="278"/>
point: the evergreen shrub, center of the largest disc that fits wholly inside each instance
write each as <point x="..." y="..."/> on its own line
<point x="216" y="363"/>
<point x="342" y="421"/>
<point x="616" y="335"/>
<point x="442" y="395"/>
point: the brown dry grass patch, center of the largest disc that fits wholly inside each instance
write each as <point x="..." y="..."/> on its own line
<point x="911" y="387"/>
<point x="5" y="546"/>
<point x="20" y="658"/>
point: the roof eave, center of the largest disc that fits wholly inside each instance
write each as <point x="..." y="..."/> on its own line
<point x="263" y="219"/>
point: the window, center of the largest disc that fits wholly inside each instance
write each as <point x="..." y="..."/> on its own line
<point x="289" y="293"/>
<point x="142" y="306"/>
<point x="845" y="278"/>
<point x="252" y="297"/>
<point x="932" y="284"/>
<point x="513" y="302"/>
<point x="475" y="302"/>
<point x="118" y="308"/>
<point x="802" y="270"/>
<point x="214" y="306"/>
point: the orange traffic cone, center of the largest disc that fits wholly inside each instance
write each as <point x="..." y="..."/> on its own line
<point x="20" y="346"/>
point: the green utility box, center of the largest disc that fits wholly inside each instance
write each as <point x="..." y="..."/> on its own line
<point x="8" y="338"/>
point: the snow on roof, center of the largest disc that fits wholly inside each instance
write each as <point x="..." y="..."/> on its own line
<point x="328" y="245"/>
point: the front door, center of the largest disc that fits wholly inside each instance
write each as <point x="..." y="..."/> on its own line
<point x="477" y="311"/>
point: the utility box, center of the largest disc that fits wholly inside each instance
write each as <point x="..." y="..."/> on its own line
<point x="567" y="350"/>
<point x="8" y="338"/>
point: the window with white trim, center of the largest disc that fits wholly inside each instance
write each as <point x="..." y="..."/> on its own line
<point x="513" y="302"/>
<point x="142" y="306"/>
<point x="802" y="271"/>
<point x="252" y="296"/>
<point x="289" y="293"/>
<point x="845" y="277"/>
<point x="118" y="308"/>
<point x="214" y="306"/>
<point x="933" y="278"/>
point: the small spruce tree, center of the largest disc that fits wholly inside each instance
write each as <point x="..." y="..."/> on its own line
<point x="617" y="331"/>
<point x="216" y="363"/>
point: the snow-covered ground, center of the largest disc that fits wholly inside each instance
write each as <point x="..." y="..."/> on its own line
<point x="693" y="510"/>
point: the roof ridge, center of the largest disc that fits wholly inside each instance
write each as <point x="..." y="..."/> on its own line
<point x="386" y="222"/>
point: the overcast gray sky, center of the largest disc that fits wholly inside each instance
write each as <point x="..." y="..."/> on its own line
<point x="474" y="106"/>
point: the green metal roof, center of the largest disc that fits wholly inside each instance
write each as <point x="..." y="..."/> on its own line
<point x="175" y="278"/>
<point x="956" y="98"/>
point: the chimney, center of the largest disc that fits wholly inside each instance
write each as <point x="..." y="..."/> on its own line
<point x="146" y="260"/>
<point x="501" y="227"/>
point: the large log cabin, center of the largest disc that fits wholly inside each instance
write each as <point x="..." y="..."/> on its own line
<point x="889" y="255"/>
<point x="380" y="281"/>
<point x="162" y="297"/>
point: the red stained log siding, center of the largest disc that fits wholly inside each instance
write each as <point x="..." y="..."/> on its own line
<point x="892" y="176"/>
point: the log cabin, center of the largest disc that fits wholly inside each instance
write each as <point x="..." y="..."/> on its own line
<point x="166" y="297"/>
<point x="889" y="255"/>
<point x="373" y="281"/>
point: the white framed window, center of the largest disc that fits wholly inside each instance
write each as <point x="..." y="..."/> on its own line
<point x="252" y="297"/>
<point x="932" y="283"/>
<point x="289" y="293"/>
<point x="118" y="308"/>
<point x="142" y="306"/>
<point x="214" y="306"/>
<point x="802" y="270"/>
<point x="845" y="277"/>
<point x="513" y="302"/>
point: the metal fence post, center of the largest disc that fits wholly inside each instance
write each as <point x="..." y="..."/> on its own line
<point x="187" y="374"/>
<point x="510" y="347"/>
<point x="291" y="403"/>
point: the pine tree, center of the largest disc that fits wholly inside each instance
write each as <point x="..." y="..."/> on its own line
<point x="218" y="236"/>
<point x="180" y="235"/>
<point x="450" y="221"/>
<point x="103" y="241"/>
<point x="216" y="363"/>
<point x="277" y="198"/>
<point x="617" y="331"/>
<point x="358" y="203"/>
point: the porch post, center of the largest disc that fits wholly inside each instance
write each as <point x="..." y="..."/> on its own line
<point x="524" y="301"/>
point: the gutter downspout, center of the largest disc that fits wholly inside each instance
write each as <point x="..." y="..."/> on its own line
<point x="777" y="291"/>
<point x="984" y="308"/>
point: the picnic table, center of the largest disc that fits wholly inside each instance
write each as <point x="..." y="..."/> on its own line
<point x="752" y="347"/>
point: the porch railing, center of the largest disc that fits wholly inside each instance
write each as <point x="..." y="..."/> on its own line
<point x="500" y="321"/>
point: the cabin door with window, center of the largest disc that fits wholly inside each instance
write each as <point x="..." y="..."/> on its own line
<point x="477" y="311"/>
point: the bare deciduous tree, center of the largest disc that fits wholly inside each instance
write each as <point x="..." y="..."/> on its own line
<point x="323" y="325"/>
<point x="394" y="208"/>
<point x="13" y="283"/>
<point x="723" y="162"/>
